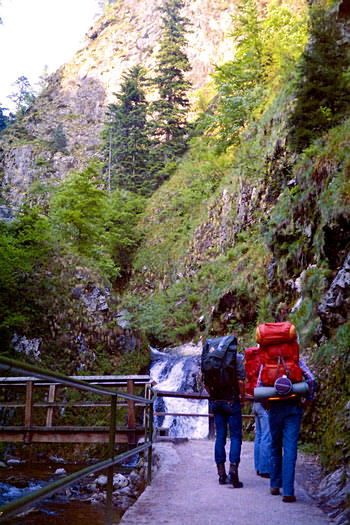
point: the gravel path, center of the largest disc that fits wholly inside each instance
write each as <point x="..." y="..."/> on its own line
<point x="185" y="491"/>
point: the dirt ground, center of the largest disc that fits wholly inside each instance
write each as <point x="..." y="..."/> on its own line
<point x="185" y="491"/>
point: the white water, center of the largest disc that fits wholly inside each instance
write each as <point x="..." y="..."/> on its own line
<point x="175" y="372"/>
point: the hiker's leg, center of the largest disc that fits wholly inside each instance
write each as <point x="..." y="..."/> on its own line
<point x="276" y="427"/>
<point x="264" y="451"/>
<point x="291" y="429"/>
<point x="265" y="442"/>
<point x="220" y="421"/>
<point x="235" y="427"/>
<point x="258" y="432"/>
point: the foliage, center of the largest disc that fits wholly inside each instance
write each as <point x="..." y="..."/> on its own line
<point x="24" y="95"/>
<point x="4" y="120"/>
<point x="327" y="423"/>
<point x="126" y="135"/>
<point x="266" y="47"/>
<point x="141" y="141"/>
<point x="60" y="140"/>
<point x="24" y="247"/>
<point x="323" y="88"/>
<point x="171" y="314"/>
<point x="314" y="210"/>
<point x="175" y="210"/>
<point x="97" y="226"/>
<point x="170" y="109"/>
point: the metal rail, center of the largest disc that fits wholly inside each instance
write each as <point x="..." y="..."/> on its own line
<point x="21" y="504"/>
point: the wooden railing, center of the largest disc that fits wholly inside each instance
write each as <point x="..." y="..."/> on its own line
<point x="39" y="402"/>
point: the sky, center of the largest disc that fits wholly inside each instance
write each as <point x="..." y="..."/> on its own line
<point x="36" y="34"/>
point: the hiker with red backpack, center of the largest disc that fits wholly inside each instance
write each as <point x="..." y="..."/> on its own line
<point x="223" y="377"/>
<point x="262" y="441"/>
<point x="283" y="379"/>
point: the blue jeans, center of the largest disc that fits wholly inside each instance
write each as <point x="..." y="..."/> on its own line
<point x="285" y="419"/>
<point x="262" y="442"/>
<point x="227" y="415"/>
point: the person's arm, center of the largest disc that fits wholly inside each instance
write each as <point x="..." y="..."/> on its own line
<point x="310" y="379"/>
<point x="241" y="376"/>
<point x="241" y="386"/>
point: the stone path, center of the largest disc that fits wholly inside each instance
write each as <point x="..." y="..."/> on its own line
<point x="185" y="491"/>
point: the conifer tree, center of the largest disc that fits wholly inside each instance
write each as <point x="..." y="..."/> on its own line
<point x="3" y="119"/>
<point x="323" y="89"/>
<point x="125" y="135"/>
<point x="24" y="95"/>
<point x="171" y="108"/>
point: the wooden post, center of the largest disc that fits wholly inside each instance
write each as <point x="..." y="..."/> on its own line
<point x="131" y="413"/>
<point x="51" y="399"/>
<point x="28" y="412"/>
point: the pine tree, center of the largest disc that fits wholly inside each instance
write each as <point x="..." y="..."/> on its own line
<point x="3" y="119"/>
<point x="127" y="145"/>
<point x="60" y="140"/>
<point x="24" y="95"/>
<point x="323" y="90"/>
<point x="170" y="110"/>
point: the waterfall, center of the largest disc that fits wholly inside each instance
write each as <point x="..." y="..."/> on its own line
<point x="177" y="370"/>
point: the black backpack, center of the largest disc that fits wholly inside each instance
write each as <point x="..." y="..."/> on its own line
<point x="218" y="365"/>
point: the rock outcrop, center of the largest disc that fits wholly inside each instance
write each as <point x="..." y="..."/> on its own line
<point x="61" y="130"/>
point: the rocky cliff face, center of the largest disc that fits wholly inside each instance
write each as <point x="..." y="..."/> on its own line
<point x="71" y="109"/>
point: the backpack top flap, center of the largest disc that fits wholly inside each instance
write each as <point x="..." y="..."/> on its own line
<point x="218" y="364"/>
<point x="274" y="333"/>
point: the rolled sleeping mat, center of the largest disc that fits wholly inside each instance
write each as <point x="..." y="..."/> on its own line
<point x="262" y="393"/>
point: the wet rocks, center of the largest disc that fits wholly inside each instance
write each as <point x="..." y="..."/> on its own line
<point x="334" y="491"/>
<point x="334" y="310"/>
<point x="126" y="488"/>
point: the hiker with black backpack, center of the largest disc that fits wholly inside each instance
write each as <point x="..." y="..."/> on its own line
<point x="223" y="376"/>
<point x="287" y="385"/>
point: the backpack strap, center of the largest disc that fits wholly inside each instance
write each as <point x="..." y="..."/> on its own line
<point x="285" y="366"/>
<point x="281" y="359"/>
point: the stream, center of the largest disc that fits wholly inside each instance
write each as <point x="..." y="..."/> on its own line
<point x="68" y="507"/>
<point x="173" y="370"/>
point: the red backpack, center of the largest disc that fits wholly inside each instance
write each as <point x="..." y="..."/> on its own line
<point x="279" y="352"/>
<point x="252" y="367"/>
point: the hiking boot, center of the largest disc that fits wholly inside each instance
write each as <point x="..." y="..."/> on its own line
<point x="289" y="499"/>
<point x="275" y="491"/>
<point x="222" y="473"/>
<point x="233" y="476"/>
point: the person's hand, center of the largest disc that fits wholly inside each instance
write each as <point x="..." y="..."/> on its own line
<point x="306" y="402"/>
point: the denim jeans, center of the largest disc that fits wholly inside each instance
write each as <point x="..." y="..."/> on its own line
<point x="285" y="419"/>
<point x="227" y="415"/>
<point x="262" y="442"/>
